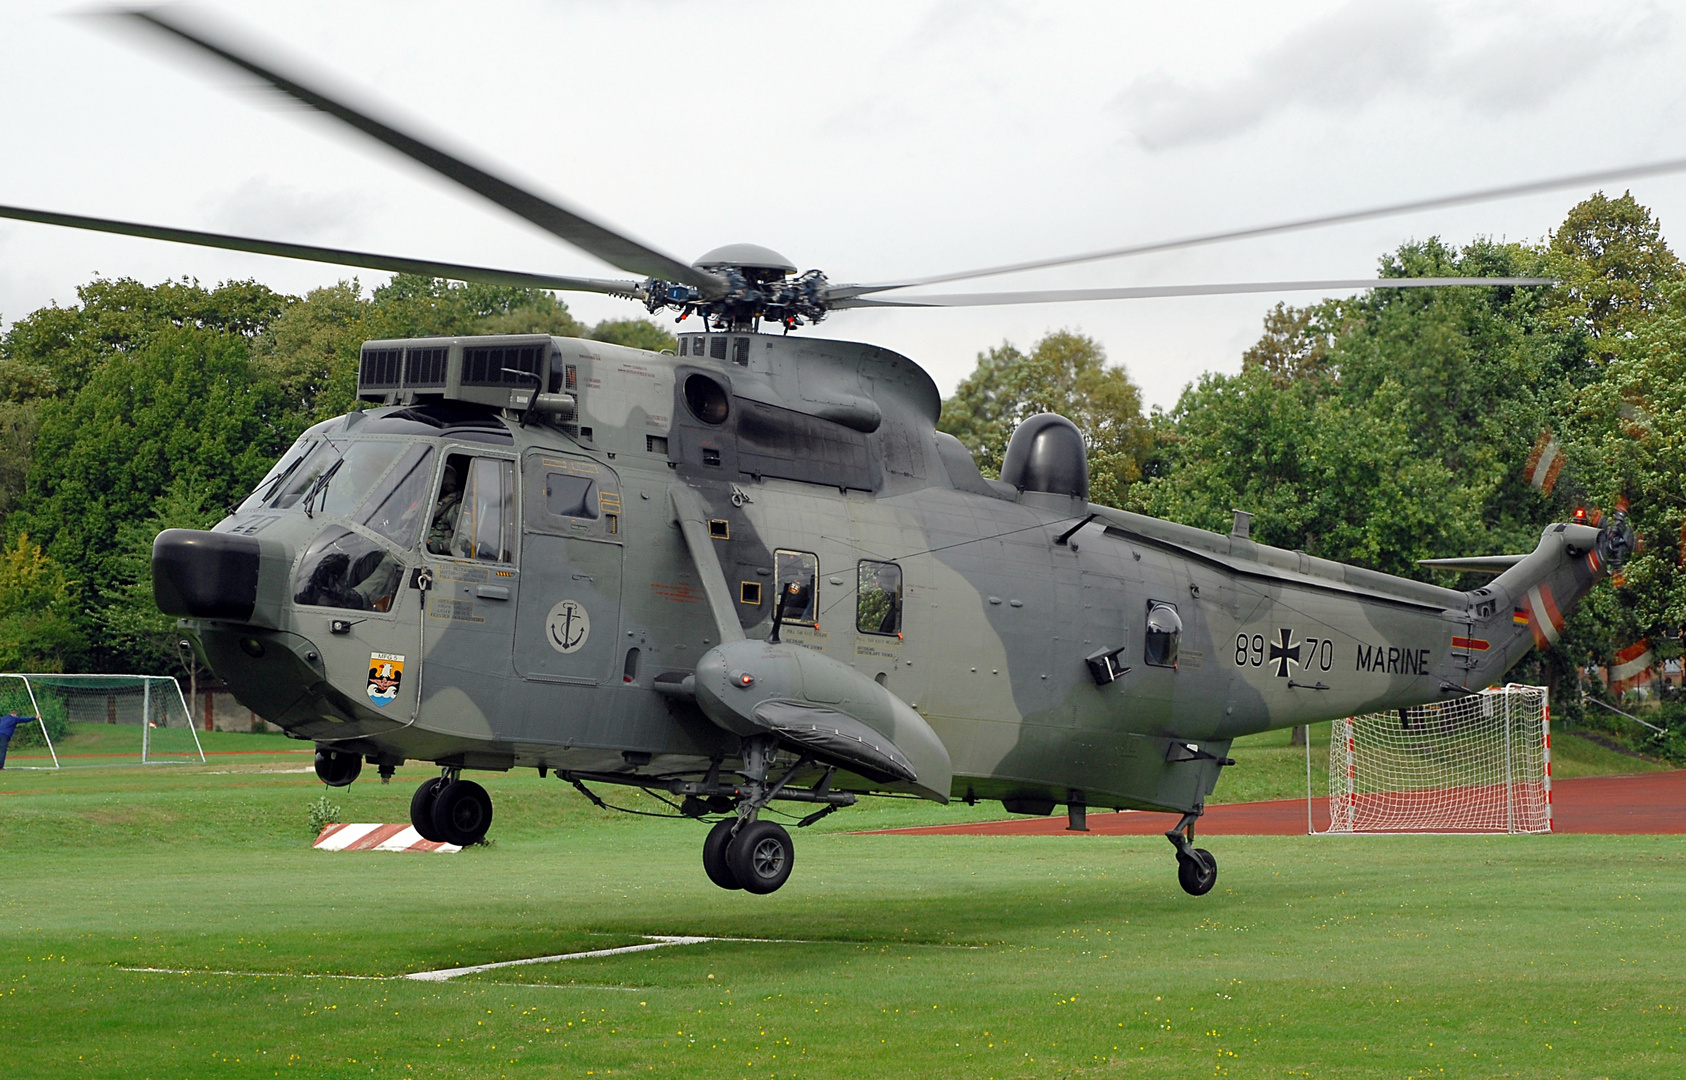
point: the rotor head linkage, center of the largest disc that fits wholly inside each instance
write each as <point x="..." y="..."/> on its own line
<point x="758" y="287"/>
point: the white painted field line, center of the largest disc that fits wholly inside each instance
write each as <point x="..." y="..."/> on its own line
<point x="256" y="974"/>
<point x="657" y="942"/>
<point x="369" y="978"/>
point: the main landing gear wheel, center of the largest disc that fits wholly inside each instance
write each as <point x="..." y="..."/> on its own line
<point x="761" y="856"/>
<point x="1197" y="875"/>
<point x="462" y="812"/>
<point x="421" y="809"/>
<point x="337" y="768"/>
<point x="714" y="855"/>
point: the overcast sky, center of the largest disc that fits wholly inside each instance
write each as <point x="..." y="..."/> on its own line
<point x="871" y="140"/>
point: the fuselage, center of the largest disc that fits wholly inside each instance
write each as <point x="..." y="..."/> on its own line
<point x="464" y="589"/>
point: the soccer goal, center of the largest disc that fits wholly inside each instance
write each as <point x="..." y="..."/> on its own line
<point x="1480" y="763"/>
<point x="89" y="720"/>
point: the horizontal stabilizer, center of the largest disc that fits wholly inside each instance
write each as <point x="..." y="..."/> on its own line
<point x="1475" y="564"/>
<point x="836" y="738"/>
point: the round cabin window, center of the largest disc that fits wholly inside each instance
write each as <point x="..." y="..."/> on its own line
<point x="706" y="399"/>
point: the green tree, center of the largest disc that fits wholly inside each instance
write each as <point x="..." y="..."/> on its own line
<point x="635" y="333"/>
<point x="188" y="407"/>
<point x="127" y="620"/>
<point x="1065" y="373"/>
<point x="38" y="630"/>
<point x="414" y="306"/>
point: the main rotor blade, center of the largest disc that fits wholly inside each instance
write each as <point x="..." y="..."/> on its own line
<point x="589" y="236"/>
<point x="337" y="256"/>
<point x="1137" y="292"/>
<point x="1507" y="191"/>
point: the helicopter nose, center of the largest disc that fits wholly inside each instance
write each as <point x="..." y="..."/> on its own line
<point x="205" y="575"/>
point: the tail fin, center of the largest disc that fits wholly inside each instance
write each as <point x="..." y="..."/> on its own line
<point x="1527" y="605"/>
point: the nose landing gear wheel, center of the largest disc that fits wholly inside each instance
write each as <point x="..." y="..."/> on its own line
<point x="714" y="855"/>
<point x="761" y="856"/>
<point x="462" y="812"/>
<point x="1197" y="875"/>
<point x="421" y="809"/>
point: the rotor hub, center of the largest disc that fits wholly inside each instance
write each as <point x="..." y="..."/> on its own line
<point x="758" y="287"/>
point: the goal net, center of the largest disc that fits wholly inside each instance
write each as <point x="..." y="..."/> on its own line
<point x="1480" y="763"/>
<point x="86" y="720"/>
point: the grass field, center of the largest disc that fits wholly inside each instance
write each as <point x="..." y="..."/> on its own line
<point x="927" y="956"/>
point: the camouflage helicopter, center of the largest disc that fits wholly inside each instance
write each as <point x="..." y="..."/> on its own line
<point x="753" y="570"/>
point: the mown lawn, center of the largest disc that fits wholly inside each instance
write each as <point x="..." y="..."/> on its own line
<point x="929" y="956"/>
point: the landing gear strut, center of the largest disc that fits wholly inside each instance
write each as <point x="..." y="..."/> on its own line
<point x="1197" y="868"/>
<point x="743" y="852"/>
<point x="449" y="810"/>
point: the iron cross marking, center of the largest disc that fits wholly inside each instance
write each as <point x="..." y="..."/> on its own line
<point x="1285" y="652"/>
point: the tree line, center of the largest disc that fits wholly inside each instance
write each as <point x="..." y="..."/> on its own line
<point x="1377" y="430"/>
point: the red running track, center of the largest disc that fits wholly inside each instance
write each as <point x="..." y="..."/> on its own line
<point x="1648" y="803"/>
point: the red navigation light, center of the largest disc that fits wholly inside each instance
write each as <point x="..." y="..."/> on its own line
<point x="1580" y="515"/>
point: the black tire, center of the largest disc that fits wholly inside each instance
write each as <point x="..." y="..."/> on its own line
<point x="714" y="855"/>
<point x="1197" y="876"/>
<point x="421" y="809"/>
<point x="462" y="812"/>
<point x="761" y="857"/>
<point x="337" y="768"/>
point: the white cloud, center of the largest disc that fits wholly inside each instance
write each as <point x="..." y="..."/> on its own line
<point x="261" y="207"/>
<point x="1486" y="61"/>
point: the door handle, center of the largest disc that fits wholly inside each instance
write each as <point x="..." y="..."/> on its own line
<point x="492" y="592"/>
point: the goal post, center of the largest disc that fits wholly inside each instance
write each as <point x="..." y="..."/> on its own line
<point x="90" y="720"/>
<point x="1476" y="764"/>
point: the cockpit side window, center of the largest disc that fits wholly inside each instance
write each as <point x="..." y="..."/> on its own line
<point x="878" y="598"/>
<point x="474" y="516"/>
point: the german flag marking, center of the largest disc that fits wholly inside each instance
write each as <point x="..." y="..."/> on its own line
<point x="1472" y="643"/>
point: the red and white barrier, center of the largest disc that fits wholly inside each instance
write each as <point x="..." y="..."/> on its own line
<point x="362" y="836"/>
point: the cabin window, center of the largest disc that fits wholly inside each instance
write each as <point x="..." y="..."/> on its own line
<point x="395" y="508"/>
<point x="802" y="569"/>
<point x="344" y="569"/>
<point x="474" y="516"/>
<point x="878" y="598"/>
<point x="566" y="495"/>
<point x="1164" y="631"/>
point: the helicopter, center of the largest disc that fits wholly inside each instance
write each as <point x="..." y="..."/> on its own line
<point x="751" y="570"/>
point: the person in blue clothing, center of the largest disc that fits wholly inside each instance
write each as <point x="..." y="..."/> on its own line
<point x="8" y="724"/>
